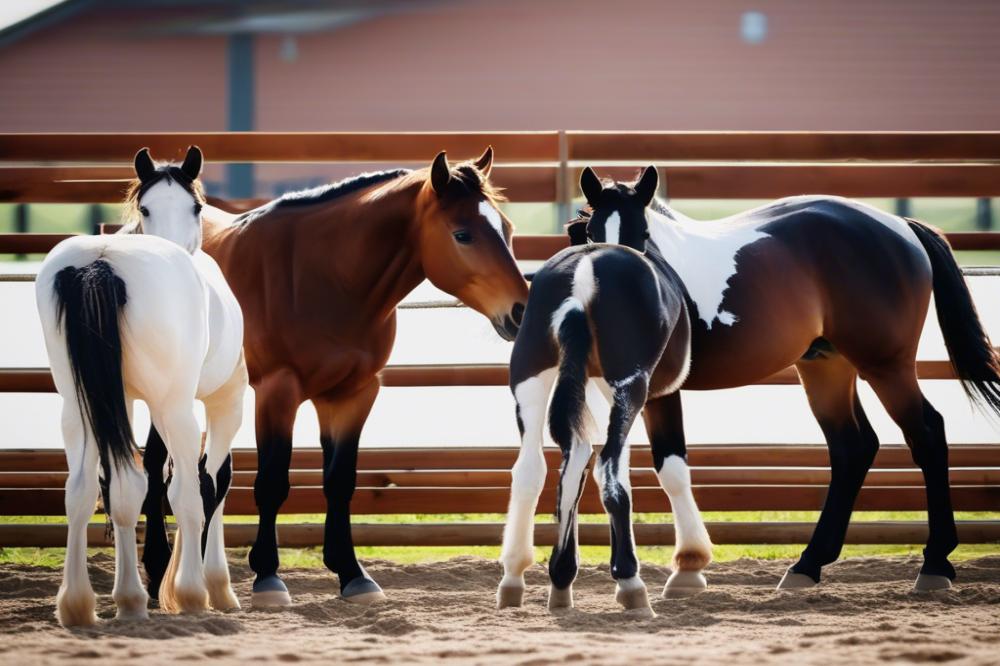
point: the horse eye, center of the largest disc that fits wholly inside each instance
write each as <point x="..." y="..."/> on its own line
<point x="463" y="236"/>
<point x="197" y="209"/>
<point x="144" y="211"/>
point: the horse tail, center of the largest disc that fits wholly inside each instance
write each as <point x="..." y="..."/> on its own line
<point x="89" y="302"/>
<point x="568" y="413"/>
<point x="969" y="347"/>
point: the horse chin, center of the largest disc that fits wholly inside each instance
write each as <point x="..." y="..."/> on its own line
<point x="505" y="328"/>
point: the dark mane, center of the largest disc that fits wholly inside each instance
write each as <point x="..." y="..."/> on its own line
<point x="467" y="180"/>
<point x="323" y="193"/>
<point x="341" y="188"/>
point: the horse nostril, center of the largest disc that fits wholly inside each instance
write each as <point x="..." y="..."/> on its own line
<point x="517" y="313"/>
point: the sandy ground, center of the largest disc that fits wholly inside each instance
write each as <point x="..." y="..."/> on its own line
<point x="444" y="612"/>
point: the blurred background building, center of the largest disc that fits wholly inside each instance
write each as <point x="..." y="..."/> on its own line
<point x="309" y="65"/>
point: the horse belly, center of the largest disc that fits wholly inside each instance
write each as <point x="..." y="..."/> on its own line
<point x="777" y="315"/>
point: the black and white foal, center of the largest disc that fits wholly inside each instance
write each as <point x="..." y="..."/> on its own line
<point x="605" y="312"/>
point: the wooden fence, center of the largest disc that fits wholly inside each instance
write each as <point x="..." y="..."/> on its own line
<point x="541" y="166"/>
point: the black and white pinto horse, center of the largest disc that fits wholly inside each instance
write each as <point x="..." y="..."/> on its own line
<point x="660" y="302"/>
<point x="603" y="311"/>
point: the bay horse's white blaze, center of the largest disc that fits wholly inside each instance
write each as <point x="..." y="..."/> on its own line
<point x="180" y="332"/>
<point x="704" y="256"/>
<point x="528" y="479"/>
<point x="492" y="215"/>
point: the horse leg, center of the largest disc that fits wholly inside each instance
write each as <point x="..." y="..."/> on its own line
<point x="830" y="386"/>
<point x="156" y="551"/>
<point x="693" y="548"/>
<point x="183" y="589"/>
<point x="278" y="398"/>
<point x="341" y="422"/>
<point x="127" y="488"/>
<point x="224" y="412"/>
<point x="564" y="563"/>
<point x="923" y="429"/>
<point x="531" y="397"/>
<point x="76" y="603"/>
<point x="611" y="471"/>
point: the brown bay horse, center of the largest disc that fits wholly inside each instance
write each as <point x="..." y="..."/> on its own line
<point x="319" y="275"/>
<point x="834" y="287"/>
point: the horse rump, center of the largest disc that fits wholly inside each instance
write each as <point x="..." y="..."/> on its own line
<point x="89" y="302"/>
<point x="969" y="347"/>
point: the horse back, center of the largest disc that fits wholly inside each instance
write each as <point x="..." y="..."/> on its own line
<point x="164" y="322"/>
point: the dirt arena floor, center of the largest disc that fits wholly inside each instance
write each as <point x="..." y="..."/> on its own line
<point x="864" y="612"/>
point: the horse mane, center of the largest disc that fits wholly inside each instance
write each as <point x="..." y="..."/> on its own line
<point x="336" y="190"/>
<point x="323" y="193"/>
<point x="131" y="218"/>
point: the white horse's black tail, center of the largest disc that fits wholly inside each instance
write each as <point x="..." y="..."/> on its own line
<point x="89" y="305"/>
<point x="969" y="347"/>
<point x="568" y="409"/>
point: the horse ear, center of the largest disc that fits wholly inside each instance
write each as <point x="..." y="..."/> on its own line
<point x="485" y="162"/>
<point x="645" y="189"/>
<point x="577" y="232"/>
<point x="440" y="173"/>
<point x="144" y="167"/>
<point x="591" y="186"/>
<point x="192" y="162"/>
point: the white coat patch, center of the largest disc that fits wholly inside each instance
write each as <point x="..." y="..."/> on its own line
<point x="612" y="228"/>
<point x="704" y="256"/>
<point x="584" y="283"/>
<point x="492" y="215"/>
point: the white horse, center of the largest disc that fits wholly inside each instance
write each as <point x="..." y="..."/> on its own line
<point x="145" y="316"/>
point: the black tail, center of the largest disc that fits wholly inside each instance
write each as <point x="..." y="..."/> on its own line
<point x="969" y="348"/>
<point x="91" y="299"/>
<point x="567" y="412"/>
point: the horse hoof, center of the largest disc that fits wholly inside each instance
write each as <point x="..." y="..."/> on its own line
<point x="76" y="610"/>
<point x="132" y="614"/>
<point x="560" y="599"/>
<point x="270" y="592"/>
<point x="632" y="595"/>
<point x="363" y="591"/>
<point x="930" y="583"/>
<point x="132" y="606"/>
<point x="795" y="581"/>
<point x="684" y="584"/>
<point x="510" y="596"/>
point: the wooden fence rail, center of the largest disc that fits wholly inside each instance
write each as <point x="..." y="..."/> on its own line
<point x="540" y="166"/>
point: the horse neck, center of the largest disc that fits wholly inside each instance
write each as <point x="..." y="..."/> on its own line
<point x="387" y="265"/>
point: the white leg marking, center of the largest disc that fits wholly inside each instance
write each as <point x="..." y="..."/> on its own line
<point x="693" y="544"/>
<point x="572" y="480"/>
<point x="612" y="228"/>
<point x="527" y="481"/>
<point x="224" y="412"/>
<point x="76" y="602"/>
<point x="183" y="589"/>
<point x="128" y="489"/>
